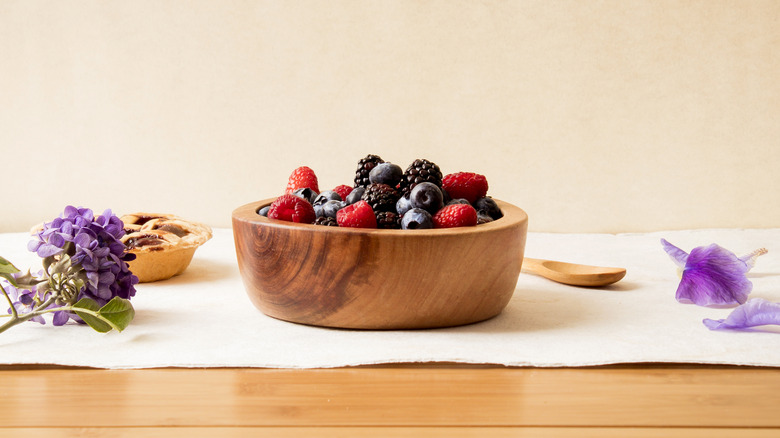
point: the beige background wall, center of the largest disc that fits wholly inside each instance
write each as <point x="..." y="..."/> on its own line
<point x="594" y="116"/>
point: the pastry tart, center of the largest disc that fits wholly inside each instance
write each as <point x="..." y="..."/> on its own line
<point x="163" y="244"/>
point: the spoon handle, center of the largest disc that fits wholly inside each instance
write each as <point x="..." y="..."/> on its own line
<point x="573" y="274"/>
<point x="534" y="266"/>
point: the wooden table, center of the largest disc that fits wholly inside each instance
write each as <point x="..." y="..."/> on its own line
<point x="439" y="400"/>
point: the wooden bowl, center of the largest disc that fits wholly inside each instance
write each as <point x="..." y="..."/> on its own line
<point x="379" y="279"/>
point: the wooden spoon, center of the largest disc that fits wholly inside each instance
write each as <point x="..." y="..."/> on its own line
<point x="573" y="274"/>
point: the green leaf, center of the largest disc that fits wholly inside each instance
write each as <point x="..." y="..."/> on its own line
<point x="116" y="314"/>
<point x="118" y="311"/>
<point x="6" y="269"/>
<point x="92" y="318"/>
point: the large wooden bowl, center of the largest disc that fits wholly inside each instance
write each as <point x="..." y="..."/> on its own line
<point x="379" y="279"/>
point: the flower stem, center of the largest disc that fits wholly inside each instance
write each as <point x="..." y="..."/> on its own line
<point x="35" y="312"/>
<point x="10" y="303"/>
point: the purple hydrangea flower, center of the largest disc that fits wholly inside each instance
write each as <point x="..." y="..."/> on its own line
<point x="93" y="243"/>
<point x="712" y="275"/>
<point x="755" y="312"/>
<point x="23" y="301"/>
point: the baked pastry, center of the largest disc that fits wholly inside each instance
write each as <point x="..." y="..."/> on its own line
<point x="163" y="244"/>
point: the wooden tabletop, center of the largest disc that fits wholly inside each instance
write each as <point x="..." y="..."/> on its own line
<point x="438" y="400"/>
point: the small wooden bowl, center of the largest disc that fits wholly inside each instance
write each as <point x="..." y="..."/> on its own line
<point x="379" y="279"/>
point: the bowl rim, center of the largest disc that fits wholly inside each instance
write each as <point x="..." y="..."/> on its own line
<point x="513" y="216"/>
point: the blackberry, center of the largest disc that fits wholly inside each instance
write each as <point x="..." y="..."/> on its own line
<point x="364" y="168"/>
<point x="421" y="170"/>
<point x="388" y="220"/>
<point x="381" y="197"/>
<point x="327" y="221"/>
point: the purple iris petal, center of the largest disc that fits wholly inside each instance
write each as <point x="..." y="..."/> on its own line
<point x="678" y="256"/>
<point x="714" y="276"/>
<point x="755" y="312"/>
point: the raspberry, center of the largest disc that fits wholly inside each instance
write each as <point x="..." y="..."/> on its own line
<point x="292" y="209"/>
<point x="467" y="185"/>
<point x="455" y="215"/>
<point x="343" y="190"/>
<point x="357" y="215"/>
<point x="302" y="178"/>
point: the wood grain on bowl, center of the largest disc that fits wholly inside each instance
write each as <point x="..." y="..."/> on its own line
<point x="379" y="279"/>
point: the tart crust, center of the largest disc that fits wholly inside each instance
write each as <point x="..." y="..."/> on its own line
<point x="163" y="244"/>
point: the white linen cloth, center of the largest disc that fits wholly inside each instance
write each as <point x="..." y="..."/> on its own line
<point x="203" y="318"/>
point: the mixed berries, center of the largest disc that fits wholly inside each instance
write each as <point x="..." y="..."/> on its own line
<point x="385" y="196"/>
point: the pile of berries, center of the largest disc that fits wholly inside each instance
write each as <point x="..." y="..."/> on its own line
<point x="385" y="196"/>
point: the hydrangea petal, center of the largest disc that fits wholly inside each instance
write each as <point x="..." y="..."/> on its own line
<point x="33" y="245"/>
<point x="67" y="228"/>
<point x="83" y="239"/>
<point x="679" y="256"/>
<point x="755" y="312"/>
<point x="70" y="211"/>
<point x="93" y="278"/>
<point x="26" y="300"/>
<point x="714" y="276"/>
<point x="60" y="318"/>
<point x="47" y="250"/>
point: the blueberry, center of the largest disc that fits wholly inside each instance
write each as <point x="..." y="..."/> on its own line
<point x="306" y="193"/>
<point x="330" y="208"/>
<point x="416" y="219"/>
<point x="427" y="196"/>
<point x="489" y="207"/>
<point x="483" y="218"/>
<point x="447" y="197"/>
<point x="403" y="205"/>
<point x="318" y="211"/>
<point x="386" y="173"/>
<point x="264" y="211"/>
<point x="459" y="201"/>
<point x="327" y="195"/>
<point x="355" y="195"/>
